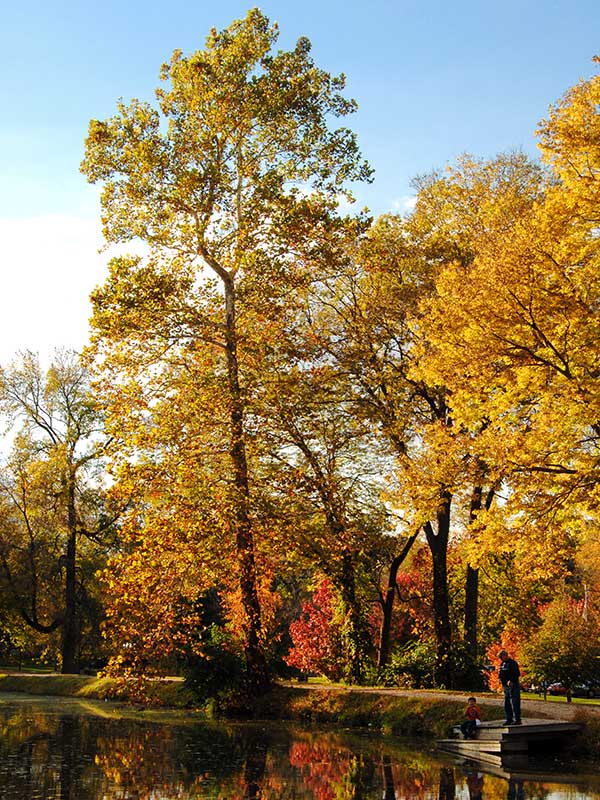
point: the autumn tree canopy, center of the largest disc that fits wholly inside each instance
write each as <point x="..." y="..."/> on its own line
<point x="514" y="333"/>
<point x="232" y="181"/>
<point x="404" y="412"/>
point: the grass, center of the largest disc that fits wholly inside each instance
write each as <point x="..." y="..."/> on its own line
<point x="417" y="715"/>
<point x="153" y="693"/>
<point x="25" y="668"/>
<point x="557" y="698"/>
<point x="407" y="716"/>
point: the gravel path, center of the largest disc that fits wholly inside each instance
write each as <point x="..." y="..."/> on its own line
<point x="532" y="709"/>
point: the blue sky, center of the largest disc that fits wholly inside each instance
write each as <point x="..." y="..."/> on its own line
<point x="432" y="80"/>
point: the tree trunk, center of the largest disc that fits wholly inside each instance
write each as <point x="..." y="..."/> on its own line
<point x="472" y="589"/>
<point x="70" y="638"/>
<point x="471" y="611"/>
<point x="257" y="672"/>
<point x="359" y="645"/>
<point x="438" y="545"/>
<point x="471" y="620"/>
<point x="387" y="603"/>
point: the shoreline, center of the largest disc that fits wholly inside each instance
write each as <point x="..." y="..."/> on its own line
<point x="425" y="714"/>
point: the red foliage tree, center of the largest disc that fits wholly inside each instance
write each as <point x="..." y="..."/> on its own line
<point x="509" y="642"/>
<point x="317" y="636"/>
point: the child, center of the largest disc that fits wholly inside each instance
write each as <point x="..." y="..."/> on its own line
<point x="473" y="716"/>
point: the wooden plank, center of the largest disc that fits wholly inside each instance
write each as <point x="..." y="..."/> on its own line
<point x="529" y="729"/>
<point x="477" y="755"/>
<point x="470" y="746"/>
<point x="494" y="738"/>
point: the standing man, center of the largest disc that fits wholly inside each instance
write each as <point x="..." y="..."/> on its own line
<point x="509" y="678"/>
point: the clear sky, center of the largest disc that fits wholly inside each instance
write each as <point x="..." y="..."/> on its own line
<point x="432" y="80"/>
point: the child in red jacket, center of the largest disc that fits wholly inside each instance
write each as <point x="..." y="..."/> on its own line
<point x="472" y="716"/>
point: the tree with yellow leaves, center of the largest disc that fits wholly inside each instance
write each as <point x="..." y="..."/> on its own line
<point x="231" y="181"/>
<point x="512" y="334"/>
<point x="515" y="334"/>
<point x="380" y="307"/>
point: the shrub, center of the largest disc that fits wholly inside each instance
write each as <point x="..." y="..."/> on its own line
<point x="219" y="671"/>
<point x="410" y="666"/>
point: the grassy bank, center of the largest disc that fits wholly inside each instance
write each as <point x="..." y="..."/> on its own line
<point x="418" y="715"/>
<point x="402" y="716"/>
<point x="171" y="694"/>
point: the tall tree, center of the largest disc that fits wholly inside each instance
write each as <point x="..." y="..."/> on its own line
<point x="514" y="335"/>
<point x="233" y="175"/>
<point x="381" y="310"/>
<point x="564" y="647"/>
<point x="52" y="495"/>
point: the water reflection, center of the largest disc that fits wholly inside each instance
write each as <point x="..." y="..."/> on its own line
<point x="57" y="750"/>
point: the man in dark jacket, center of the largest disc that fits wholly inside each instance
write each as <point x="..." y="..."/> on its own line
<point x="509" y="678"/>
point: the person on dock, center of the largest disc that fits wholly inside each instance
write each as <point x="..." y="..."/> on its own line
<point x="472" y="719"/>
<point x="509" y="678"/>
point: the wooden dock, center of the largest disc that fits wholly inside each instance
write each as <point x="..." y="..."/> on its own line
<point x="495" y="741"/>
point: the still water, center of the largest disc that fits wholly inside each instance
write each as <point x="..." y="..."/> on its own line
<point x="56" y="749"/>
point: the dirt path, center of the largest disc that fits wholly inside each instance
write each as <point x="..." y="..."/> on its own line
<point x="534" y="709"/>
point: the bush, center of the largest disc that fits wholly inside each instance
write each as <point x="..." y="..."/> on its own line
<point x="467" y="671"/>
<point x="219" y="672"/>
<point x="411" y="666"/>
<point x="317" y="636"/>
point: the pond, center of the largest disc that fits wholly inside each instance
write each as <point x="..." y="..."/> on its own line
<point x="57" y="749"/>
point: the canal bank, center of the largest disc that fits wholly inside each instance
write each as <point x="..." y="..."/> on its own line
<point x="427" y="714"/>
<point x="63" y="747"/>
<point x="419" y="713"/>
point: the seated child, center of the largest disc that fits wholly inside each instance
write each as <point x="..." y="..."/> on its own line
<point x="473" y="715"/>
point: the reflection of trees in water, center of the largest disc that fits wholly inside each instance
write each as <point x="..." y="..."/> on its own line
<point x="75" y="757"/>
<point x="389" y="789"/>
<point x="312" y="757"/>
<point x="70" y="765"/>
<point x="255" y="767"/>
<point x="333" y="768"/>
<point x="408" y="776"/>
<point x="144" y="759"/>
<point x="79" y="757"/>
<point x="447" y="784"/>
<point x="474" y="782"/>
<point x="42" y="754"/>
